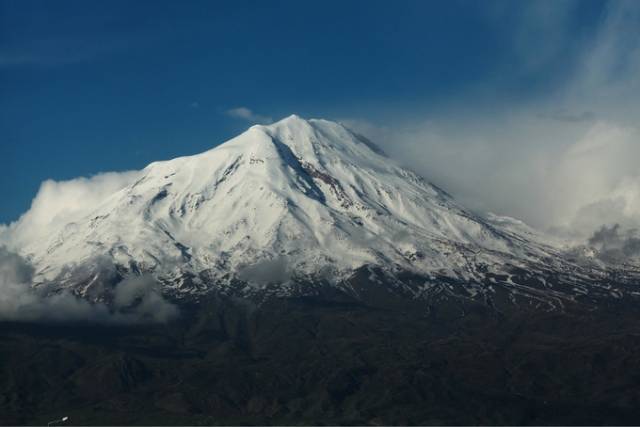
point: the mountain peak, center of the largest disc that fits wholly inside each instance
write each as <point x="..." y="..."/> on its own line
<point x="291" y="120"/>
<point x="293" y="117"/>
<point x="300" y="197"/>
<point x="297" y="123"/>
<point x="302" y="139"/>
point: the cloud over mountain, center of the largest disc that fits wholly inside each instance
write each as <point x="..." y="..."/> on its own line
<point x="563" y="158"/>
<point x="136" y="299"/>
<point x="248" y="115"/>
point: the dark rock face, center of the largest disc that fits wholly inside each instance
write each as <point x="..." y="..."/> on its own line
<point x="328" y="360"/>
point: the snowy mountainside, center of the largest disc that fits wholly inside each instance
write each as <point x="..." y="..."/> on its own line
<point x="296" y="199"/>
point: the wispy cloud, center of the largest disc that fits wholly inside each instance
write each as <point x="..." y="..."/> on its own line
<point x="566" y="116"/>
<point x="248" y="115"/>
<point x="541" y="30"/>
<point x="61" y="51"/>
<point x="28" y="57"/>
<point x="572" y="167"/>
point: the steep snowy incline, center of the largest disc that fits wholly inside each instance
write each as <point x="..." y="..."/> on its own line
<point x="310" y="196"/>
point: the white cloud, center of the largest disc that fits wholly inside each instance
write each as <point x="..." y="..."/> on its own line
<point x="545" y="172"/>
<point x="568" y="159"/>
<point x="609" y="72"/>
<point x="59" y="202"/>
<point x="248" y="115"/>
<point x="136" y="299"/>
<point x="595" y="172"/>
<point x="541" y="31"/>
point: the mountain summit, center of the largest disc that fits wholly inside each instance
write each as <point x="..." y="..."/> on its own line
<point x="284" y="207"/>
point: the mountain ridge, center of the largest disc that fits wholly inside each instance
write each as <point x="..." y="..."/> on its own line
<point x="298" y="200"/>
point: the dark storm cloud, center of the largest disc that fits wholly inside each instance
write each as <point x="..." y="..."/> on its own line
<point x="614" y="244"/>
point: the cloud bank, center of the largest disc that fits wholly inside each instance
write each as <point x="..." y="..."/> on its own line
<point x="58" y="203"/>
<point x="614" y="245"/>
<point x="136" y="299"/>
<point x="565" y="159"/>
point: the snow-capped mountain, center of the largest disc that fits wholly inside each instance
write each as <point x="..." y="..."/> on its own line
<point x="295" y="202"/>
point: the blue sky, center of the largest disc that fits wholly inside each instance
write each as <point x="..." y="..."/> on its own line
<point x="87" y="87"/>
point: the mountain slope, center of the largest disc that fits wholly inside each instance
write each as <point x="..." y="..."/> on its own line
<point x="296" y="201"/>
